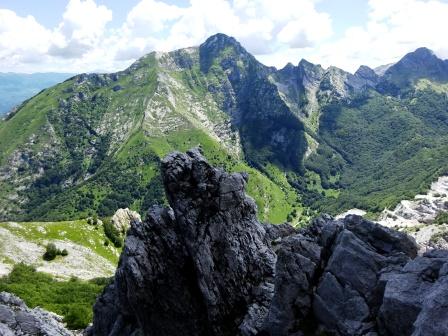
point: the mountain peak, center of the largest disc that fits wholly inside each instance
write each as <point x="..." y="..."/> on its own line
<point x="419" y="64"/>
<point x="422" y="52"/>
<point x="308" y="68"/>
<point x="419" y="57"/>
<point x="381" y="69"/>
<point x="366" y="73"/>
<point x="304" y="63"/>
<point x="289" y="65"/>
<point x="220" y="45"/>
<point x="221" y="41"/>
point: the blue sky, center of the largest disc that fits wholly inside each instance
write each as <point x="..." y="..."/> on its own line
<point x="49" y="12"/>
<point x="106" y="35"/>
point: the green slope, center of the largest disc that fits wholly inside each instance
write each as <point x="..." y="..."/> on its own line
<point x="311" y="138"/>
<point x="71" y="299"/>
<point x="382" y="149"/>
<point x="93" y="143"/>
<point x="78" y="232"/>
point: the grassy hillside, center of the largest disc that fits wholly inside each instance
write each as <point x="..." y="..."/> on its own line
<point x="78" y="232"/>
<point x="93" y="143"/>
<point x="67" y="285"/>
<point x="71" y="299"/>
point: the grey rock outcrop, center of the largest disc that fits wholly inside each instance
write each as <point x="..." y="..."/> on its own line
<point x="349" y="292"/>
<point x="123" y="218"/>
<point x="17" y="319"/>
<point x="415" y="300"/>
<point x="368" y="75"/>
<point x="205" y="277"/>
<point x="327" y="276"/>
<point x="206" y="266"/>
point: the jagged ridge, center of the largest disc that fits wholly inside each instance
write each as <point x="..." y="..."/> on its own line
<point x="308" y="136"/>
<point x="206" y="266"/>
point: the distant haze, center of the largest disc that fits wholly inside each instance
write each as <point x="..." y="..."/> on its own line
<point x="17" y="87"/>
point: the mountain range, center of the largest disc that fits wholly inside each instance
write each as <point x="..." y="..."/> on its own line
<point x="17" y="87"/>
<point x="310" y="138"/>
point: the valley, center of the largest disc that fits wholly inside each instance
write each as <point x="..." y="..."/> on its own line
<point x="312" y="139"/>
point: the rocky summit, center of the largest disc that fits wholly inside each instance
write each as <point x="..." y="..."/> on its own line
<point x="207" y="266"/>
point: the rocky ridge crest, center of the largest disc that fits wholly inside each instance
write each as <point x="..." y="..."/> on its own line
<point x="206" y="266"/>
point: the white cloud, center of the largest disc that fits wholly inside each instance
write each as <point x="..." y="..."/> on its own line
<point x="393" y="29"/>
<point x="294" y="23"/>
<point x="276" y="31"/>
<point x="81" y="29"/>
<point x="262" y="26"/>
<point x="22" y="39"/>
<point x="150" y="16"/>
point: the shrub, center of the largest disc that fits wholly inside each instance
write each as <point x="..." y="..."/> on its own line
<point x="72" y="299"/>
<point x="112" y="233"/>
<point x="78" y="317"/>
<point x="51" y="252"/>
<point x="442" y="218"/>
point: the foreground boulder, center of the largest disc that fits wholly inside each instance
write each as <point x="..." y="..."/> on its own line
<point x="17" y="319"/>
<point x="206" y="266"/>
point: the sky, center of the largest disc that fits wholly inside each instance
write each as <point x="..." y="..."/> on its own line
<point x="108" y="35"/>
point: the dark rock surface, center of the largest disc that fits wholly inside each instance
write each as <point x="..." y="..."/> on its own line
<point x="206" y="266"/>
<point x="204" y="276"/>
<point x="17" y="319"/>
<point x="415" y="299"/>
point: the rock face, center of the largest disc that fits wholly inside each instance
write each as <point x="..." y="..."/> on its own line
<point x="17" y="319"/>
<point x="201" y="269"/>
<point x="123" y="218"/>
<point x="415" y="300"/>
<point x="206" y="266"/>
<point x="417" y="216"/>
